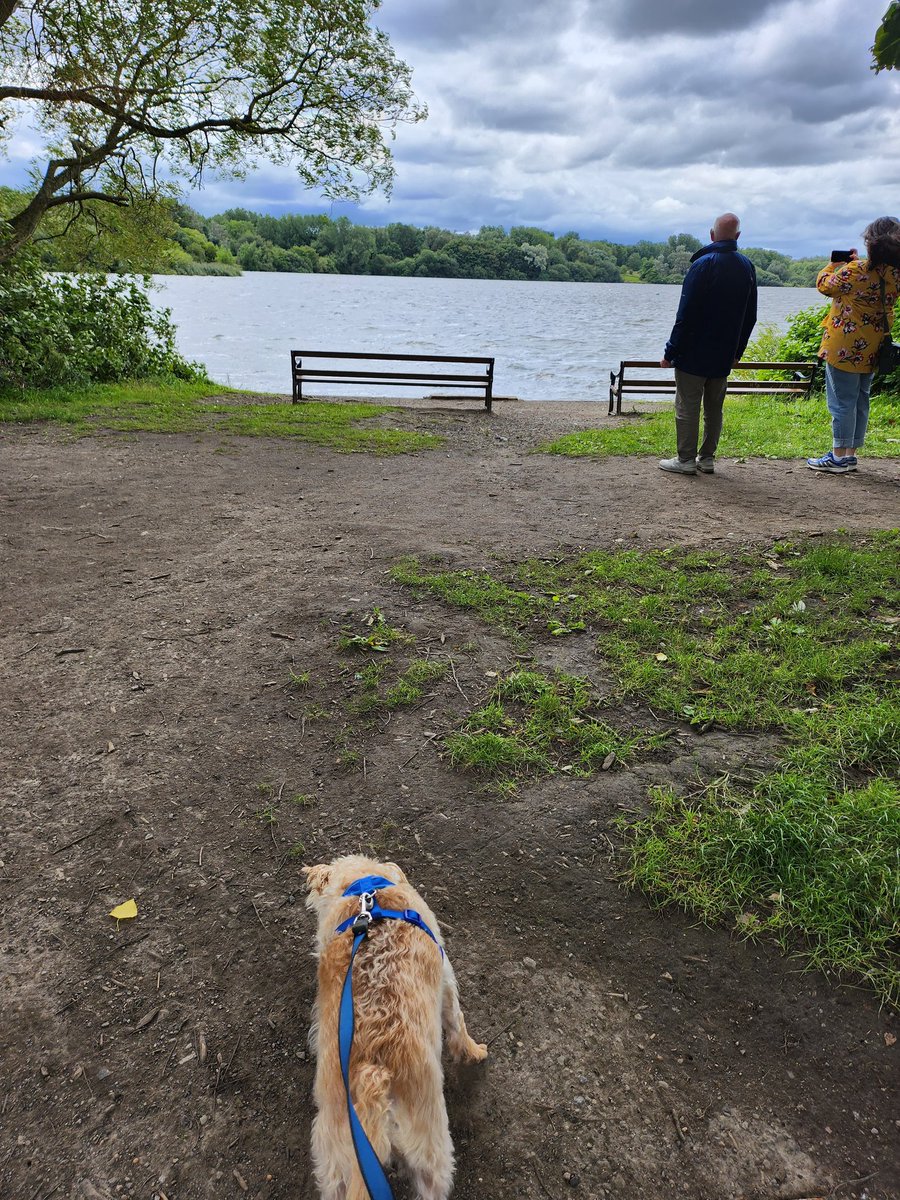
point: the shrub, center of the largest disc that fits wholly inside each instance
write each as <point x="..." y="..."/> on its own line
<point x="79" y="329"/>
<point x="801" y="340"/>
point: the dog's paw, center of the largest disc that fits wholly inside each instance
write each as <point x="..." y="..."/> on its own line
<point x="468" y="1051"/>
<point x="478" y="1052"/>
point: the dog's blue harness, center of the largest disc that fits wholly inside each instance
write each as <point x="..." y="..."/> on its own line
<point x="370" y="1167"/>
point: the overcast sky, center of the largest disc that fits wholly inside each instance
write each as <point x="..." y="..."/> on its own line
<point x="632" y="118"/>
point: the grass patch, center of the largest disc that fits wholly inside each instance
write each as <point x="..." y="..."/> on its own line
<point x="743" y="641"/>
<point x="494" y="601"/>
<point x="754" y="426"/>
<point x="798" y="639"/>
<point x="797" y="860"/>
<point x="537" y="724"/>
<point x="175" y="406"/>
<point x="411" y="685"/>
<point x="372" y="687"/>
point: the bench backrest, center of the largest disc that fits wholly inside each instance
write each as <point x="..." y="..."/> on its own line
<point x="297" y="357"/>
<point x="326" y="366"/>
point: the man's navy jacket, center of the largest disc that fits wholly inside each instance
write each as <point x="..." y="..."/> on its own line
<point x="717" y="312"/>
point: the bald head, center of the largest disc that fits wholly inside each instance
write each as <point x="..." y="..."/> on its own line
<point x="727" y="228"/>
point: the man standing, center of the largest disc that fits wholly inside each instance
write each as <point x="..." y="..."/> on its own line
<point x="715" y="318"/>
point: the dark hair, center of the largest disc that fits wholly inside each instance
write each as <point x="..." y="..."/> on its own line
<point x="882" y="238"/>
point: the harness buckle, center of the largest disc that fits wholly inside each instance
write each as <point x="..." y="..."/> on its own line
<point x="364" y="919"/>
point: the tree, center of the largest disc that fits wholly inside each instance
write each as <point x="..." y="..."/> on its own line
<point x="128" y="93"/>
<point x="886" y="50"/>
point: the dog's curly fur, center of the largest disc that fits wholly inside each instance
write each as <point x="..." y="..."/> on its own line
<point x="404" y="995"/>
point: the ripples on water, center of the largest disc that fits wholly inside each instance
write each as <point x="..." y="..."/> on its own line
<point x="551" y="341"/>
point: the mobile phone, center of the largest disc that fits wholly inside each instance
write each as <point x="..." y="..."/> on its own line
<point x="841" y="255"/>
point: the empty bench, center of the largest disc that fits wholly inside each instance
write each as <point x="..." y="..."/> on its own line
<point x="800" y="383"/>
<point x="403" y="370"/>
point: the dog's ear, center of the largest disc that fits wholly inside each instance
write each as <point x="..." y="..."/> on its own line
<point x="317" y="877"/>
<point x="393" y="867"/>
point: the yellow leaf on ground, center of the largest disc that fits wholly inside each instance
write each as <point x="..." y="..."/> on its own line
<point x="662" y="658"/>
<point x="122" y="911"/>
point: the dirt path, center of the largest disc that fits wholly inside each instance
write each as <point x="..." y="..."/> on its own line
<point x="156" y="593"/>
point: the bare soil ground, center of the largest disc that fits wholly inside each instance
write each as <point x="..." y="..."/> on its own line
<point x="157" y="590"/>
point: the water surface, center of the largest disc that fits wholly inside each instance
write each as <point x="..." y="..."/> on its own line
<point x="551" y="341"/>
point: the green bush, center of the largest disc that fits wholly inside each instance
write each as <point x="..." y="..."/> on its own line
<point x="79" y="329"/>
<point x="801" y="341"/>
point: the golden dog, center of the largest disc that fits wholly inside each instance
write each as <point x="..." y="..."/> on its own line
<point x="405" y="993"/>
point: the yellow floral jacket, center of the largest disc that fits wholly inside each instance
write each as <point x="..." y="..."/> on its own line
<point x="854" y="327"/>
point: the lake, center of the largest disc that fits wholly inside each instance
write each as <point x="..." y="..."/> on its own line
<point x="551" y="341"/>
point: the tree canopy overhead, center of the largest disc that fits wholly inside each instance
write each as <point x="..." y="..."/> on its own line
<point x="886" y="50"/>
<point x="128" y="94"/>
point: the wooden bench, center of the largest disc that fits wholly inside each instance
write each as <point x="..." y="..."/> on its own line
<point x="803" y="377"/>
<point x="305" y="371"/>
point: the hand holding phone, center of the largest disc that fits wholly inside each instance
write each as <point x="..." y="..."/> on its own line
<point x="843" y="255"/>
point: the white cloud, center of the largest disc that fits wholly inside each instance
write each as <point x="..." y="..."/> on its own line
<point x="629" y="119"/>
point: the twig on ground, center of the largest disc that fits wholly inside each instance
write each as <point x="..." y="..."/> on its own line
<point x="505" y="1028"/>
<point x="169" y="1058"/>
<point x="540" y="1181"/>
<point x="455" y="680"/>
<point x="679" y="1133"/>
<point x="429" y="738"/>
<point x="84" y="836"/>
<point x="851" y="1183"/>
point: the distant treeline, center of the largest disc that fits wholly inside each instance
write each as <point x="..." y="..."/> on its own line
<point x="318" y="244"/>
<point x="170" y="237"/>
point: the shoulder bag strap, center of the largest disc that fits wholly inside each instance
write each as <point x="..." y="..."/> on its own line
<point x="888" y="325"/>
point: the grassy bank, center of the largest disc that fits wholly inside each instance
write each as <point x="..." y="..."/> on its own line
<point x="798" y="641"/>
<point x="754" y="426"/>
<point x="176" y="406"/>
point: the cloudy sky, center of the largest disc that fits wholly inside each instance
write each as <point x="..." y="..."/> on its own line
<point x="633" y="118"/>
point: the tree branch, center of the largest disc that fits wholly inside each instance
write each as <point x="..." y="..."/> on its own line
<point x="7" y="8"/>
<point x="79" y="197"/>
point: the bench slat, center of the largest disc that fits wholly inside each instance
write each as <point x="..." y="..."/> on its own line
<point x="455" y="358"/>
<point x="322" y="376"/>
<point x="760" y="385"/>
<point x="742" y="366"/>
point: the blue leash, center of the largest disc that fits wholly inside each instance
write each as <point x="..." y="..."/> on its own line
<point x="370" y="1167"/>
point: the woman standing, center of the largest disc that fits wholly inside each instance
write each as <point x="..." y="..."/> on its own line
<point x="863" y="293"/>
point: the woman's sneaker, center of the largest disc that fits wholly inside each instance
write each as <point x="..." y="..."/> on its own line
<point x="832" y="465"/>
<point x="706" y="466"/>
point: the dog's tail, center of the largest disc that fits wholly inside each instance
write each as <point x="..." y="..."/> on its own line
<point x="371" y="1089"/>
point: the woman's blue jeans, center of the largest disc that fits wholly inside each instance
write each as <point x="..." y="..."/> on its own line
<point x="847" y="397"/>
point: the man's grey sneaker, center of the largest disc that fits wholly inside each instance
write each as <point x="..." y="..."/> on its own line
<point x="677" y="466"/>
<point x="832" y="465"/>
<point x="706" y="465"/>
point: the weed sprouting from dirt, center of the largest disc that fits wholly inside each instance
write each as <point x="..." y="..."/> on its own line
<point x="379" y="637"/>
